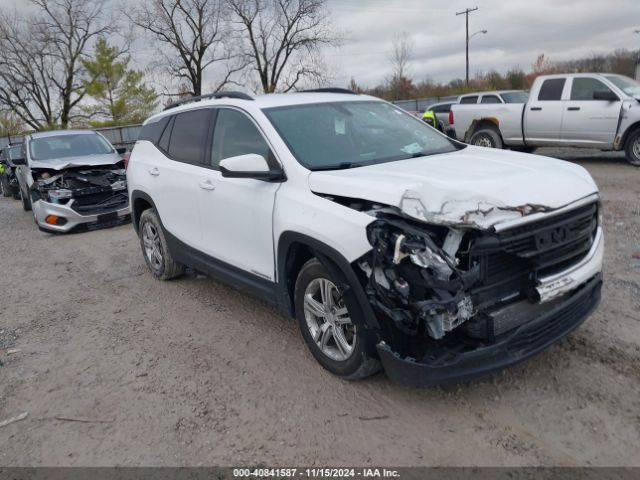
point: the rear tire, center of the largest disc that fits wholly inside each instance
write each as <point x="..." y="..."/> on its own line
<point x="337" y="343"/>
<point x="155" y="249"/>
<point x="486" y="137"/>
<point x="632" y="149"/>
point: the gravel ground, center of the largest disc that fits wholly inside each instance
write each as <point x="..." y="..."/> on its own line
<point x="192" y="372"/>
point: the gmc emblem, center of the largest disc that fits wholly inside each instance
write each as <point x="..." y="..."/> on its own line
<point x="551" y="238"/>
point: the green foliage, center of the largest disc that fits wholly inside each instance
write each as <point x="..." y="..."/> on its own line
<point x="120" y="94"/>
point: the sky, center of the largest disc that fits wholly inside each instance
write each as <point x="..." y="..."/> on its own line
<point x="517" y="32"/>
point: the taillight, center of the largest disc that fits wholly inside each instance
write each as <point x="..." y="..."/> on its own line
<point x="126" y="157"/>
<point x="450" y="117"/>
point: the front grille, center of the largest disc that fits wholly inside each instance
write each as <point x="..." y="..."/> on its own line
<point x="512" y="260"/>
<point x="558" y="323"/>
<point x="102" y="202"/>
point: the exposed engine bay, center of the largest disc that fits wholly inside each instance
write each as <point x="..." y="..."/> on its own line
<point x="437" y="281"/>
<point x="87" y="190"/>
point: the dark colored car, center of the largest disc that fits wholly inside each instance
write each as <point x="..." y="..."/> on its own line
<point x="8" y="180"/>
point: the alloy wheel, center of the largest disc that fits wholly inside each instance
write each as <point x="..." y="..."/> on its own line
<point x="152" y="245"/>
<point x="483" y="141"/>
<point x="328" y="320"/>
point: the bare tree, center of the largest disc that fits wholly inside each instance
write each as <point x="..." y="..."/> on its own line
<point x="401" y="55"/>
<point x="26" y="68"/>
<point x="41" y="72"/>
<point x="68" y="28"/>
<point x="283" y="39"/>
<point x="194" y="34"/>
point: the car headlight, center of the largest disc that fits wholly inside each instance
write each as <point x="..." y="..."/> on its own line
<point x="58" y="194"/>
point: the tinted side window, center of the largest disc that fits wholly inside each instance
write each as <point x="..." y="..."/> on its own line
<point x="551" y="89"/>
<point x="152" y="131"/>
<point x="473" y="99"/>
<point x="235" y="134"/>
<point x="490" y="99"/>
<point x="188" y="136"/>
<point x="584" y="88"/>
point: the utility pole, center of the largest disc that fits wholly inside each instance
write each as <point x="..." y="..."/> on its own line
<point x="466" y="13"/>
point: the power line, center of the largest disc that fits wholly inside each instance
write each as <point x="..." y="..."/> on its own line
<point x="466" y="13"/>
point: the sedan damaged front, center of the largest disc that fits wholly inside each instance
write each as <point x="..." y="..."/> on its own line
<point x="75" y="181"/>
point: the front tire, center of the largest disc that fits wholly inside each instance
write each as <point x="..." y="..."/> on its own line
<point x="325" y="320"/>
<point x="632" y="149"/>
<point x="155" y="249"/>
<point x="486" y="137"/>
<point x="26" y="203"/>
<point x="4" y="186"/>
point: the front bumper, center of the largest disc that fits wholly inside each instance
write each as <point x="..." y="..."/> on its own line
<point x="76" y="221"/>
<point x="446" y="366"/>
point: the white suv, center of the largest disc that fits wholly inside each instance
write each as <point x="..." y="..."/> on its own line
<point x="390" y="243"/>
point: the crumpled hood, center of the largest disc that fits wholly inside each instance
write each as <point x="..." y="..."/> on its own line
<point x="477" y="187"/>
<point x="71" y="162"/>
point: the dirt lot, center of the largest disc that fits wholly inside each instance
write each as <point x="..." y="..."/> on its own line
<point x="192" y="372"/>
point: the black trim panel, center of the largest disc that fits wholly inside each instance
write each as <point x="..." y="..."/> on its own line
<point x="337" y="265"/>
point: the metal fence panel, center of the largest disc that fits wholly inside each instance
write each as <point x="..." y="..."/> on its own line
<point x="421" y="104"/>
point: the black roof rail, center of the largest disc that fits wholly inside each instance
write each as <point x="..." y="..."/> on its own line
<point x="239" y="95"/>
<point x="330" y="90"/>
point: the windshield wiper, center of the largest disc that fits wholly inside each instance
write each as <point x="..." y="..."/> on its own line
<point x="339" y="166"/>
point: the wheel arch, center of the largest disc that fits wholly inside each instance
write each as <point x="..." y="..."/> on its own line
<point x="486" y="122"/>
<point x="627" y="133"/>
<point x="294" y="250"/>
<point x="140" y="201"/>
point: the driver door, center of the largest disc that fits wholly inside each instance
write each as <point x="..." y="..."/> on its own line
<point x="236" y="213"/>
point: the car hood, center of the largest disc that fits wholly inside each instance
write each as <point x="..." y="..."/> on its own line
<point x="476" y="187"/>
<point x="71" y="162"/>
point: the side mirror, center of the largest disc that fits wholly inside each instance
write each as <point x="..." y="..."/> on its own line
<point x="19" y="161"/>
<point x="606" y="95"/>
<point x="121" y="150"/>
<point x="250" y="166"/>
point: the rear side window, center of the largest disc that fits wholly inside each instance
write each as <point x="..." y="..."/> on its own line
<point x="235" y="134"/>
<point x="473" y="99"/>
<point x="551" y="89"/>
<point x="188" y="136"/>
<point x="584" y="88"/>
<point x="490" y="99"/>
<point x="152" y="131"/>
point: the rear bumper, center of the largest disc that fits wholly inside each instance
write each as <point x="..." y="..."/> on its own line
<point x="447" y="366"/>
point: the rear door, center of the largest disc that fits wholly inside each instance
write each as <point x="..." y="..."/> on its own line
<point x="237" y="213"/>
<point x="543" y="115"/>
<point x="174" y="176"/>
<point x="586" y="121"/>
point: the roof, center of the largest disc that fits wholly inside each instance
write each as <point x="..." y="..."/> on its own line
<point x="272" y="100"/>
<point x="491" y="92"/>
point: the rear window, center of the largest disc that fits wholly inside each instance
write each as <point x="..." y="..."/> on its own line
<point x="551" y="89"/>
<point x="490" y="99"/>
<point x="445" y="107"/>
<point x="188" y="136"/>
<point x="152" y="131"/>
<point x="473" y="99"/>
<point x="70" y="145"/>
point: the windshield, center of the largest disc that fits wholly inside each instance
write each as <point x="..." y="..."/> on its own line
<point x="627" y="85"/>
<point x="71" y="145"/>
<point x="329" y="136"/>
<point x="515" y="97"/>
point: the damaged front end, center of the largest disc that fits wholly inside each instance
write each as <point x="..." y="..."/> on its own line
<point x="462" y="301"/>
<point x="68" y="198"/>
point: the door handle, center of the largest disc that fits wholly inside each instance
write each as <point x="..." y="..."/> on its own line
<point x="573" y="109"/>
<point x="154" y="171"/>
<point x="536" y="109"/>
<point x="207" y="185"/>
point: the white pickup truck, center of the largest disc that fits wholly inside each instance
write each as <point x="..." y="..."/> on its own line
<point x="575" y="110"/>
